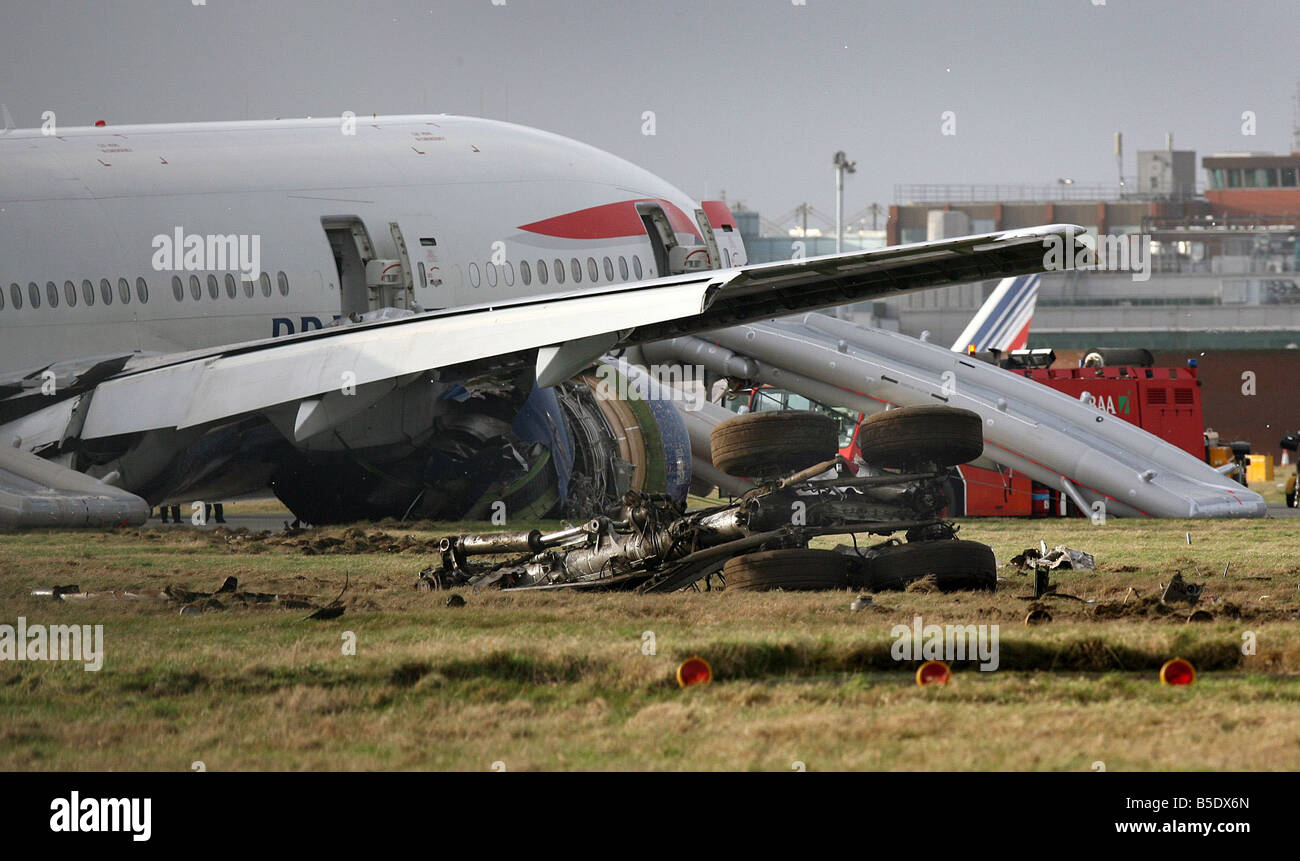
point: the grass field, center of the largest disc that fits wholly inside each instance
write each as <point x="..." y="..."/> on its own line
<point x="561" y="681"/>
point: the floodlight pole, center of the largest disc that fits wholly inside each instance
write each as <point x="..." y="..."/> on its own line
<point x="842" y="166"/>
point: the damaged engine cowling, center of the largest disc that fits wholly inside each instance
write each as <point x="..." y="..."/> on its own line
<point x="498" y="446"/>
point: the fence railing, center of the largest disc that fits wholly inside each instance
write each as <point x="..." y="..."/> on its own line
<point x="905" y="193"/>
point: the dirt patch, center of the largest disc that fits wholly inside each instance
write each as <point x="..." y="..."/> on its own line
<point x="309" y="542"/>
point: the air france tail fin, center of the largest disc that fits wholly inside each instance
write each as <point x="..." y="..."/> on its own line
<point x="1002" y="322"/>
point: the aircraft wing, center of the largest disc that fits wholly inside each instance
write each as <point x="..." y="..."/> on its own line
<point x="567" y="330"/>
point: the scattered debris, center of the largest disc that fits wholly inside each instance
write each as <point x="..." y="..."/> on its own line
<point x="1038" y="615"/>
<point x="194" y="603"/>
<point x="430" y="581"/>
<point x="1180" y="591"/>
<point x="1059" y="558"/>
<point x="71" y="593"/>
<point x="57" y="592"/>
<point x="1027" y="558"/>
<point x="333" y="609"/>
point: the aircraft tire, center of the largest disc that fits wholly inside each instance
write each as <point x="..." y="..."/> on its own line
<point x="947" y="436"/>
<point x="956" y="565"/>
<point x="770" y="444"/>
<point x="791" y="570"/>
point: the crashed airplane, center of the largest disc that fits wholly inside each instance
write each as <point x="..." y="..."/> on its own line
<point x="390" y="317"/>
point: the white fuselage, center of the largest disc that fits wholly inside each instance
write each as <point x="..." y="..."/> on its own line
<point x="87" y="217"/>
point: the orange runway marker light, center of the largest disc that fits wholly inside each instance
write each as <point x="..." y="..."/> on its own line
<point x="694" y="671"/>
<point x="933" y="673"/>
<point x="1177" y="671"/>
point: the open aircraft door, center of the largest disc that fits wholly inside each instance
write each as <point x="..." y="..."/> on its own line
<point x="421" y="258"/>
<point x="353" y="253"/>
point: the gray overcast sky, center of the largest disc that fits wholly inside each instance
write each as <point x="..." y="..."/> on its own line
<point x="751" y="96"/>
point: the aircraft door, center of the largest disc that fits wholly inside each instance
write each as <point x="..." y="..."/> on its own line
<point x="352" y="249"/>
<point x="420" y="249"/>
<point x="660" y="231"/>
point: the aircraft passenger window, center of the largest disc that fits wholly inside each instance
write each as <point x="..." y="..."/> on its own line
<point x="559" y="271"/>
<point x="70" y="293"/>
<point x="196" y="289"/>
<point x="88" y="292"/>
<point x="265" y="281"/>
<point x="525" y="272"/>
<point x="282" y="281"/>
<point x="491" y="274"/>
<point x="142" y="290"/>
<point x="609" y="269"/>
<point x="474" y="276"/>
<point x="16" y="294"/>
<point x="178" y="289"/>
<point x="593" y="271"/>
<point x="106" y="291"/>
<point x="52" y="293"/>
<point x="508" y="273"/>
<point x="622" y="267"/>
<point x="576" y="268"/>
<point x="542" y="274"/>
<point x="34" y="294"/>
<point x="232" y="289"/>
<point x="636" y="266"/>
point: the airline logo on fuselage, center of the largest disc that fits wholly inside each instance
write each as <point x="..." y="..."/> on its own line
<point x="284" y="325"/>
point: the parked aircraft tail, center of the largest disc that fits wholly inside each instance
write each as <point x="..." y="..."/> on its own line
<point x="1002" y="322"/>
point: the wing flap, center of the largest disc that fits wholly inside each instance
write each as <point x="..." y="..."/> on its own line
<point x="205" y="386"/>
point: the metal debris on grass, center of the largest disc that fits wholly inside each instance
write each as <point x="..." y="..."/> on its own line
<point x="1180" y="591"/>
